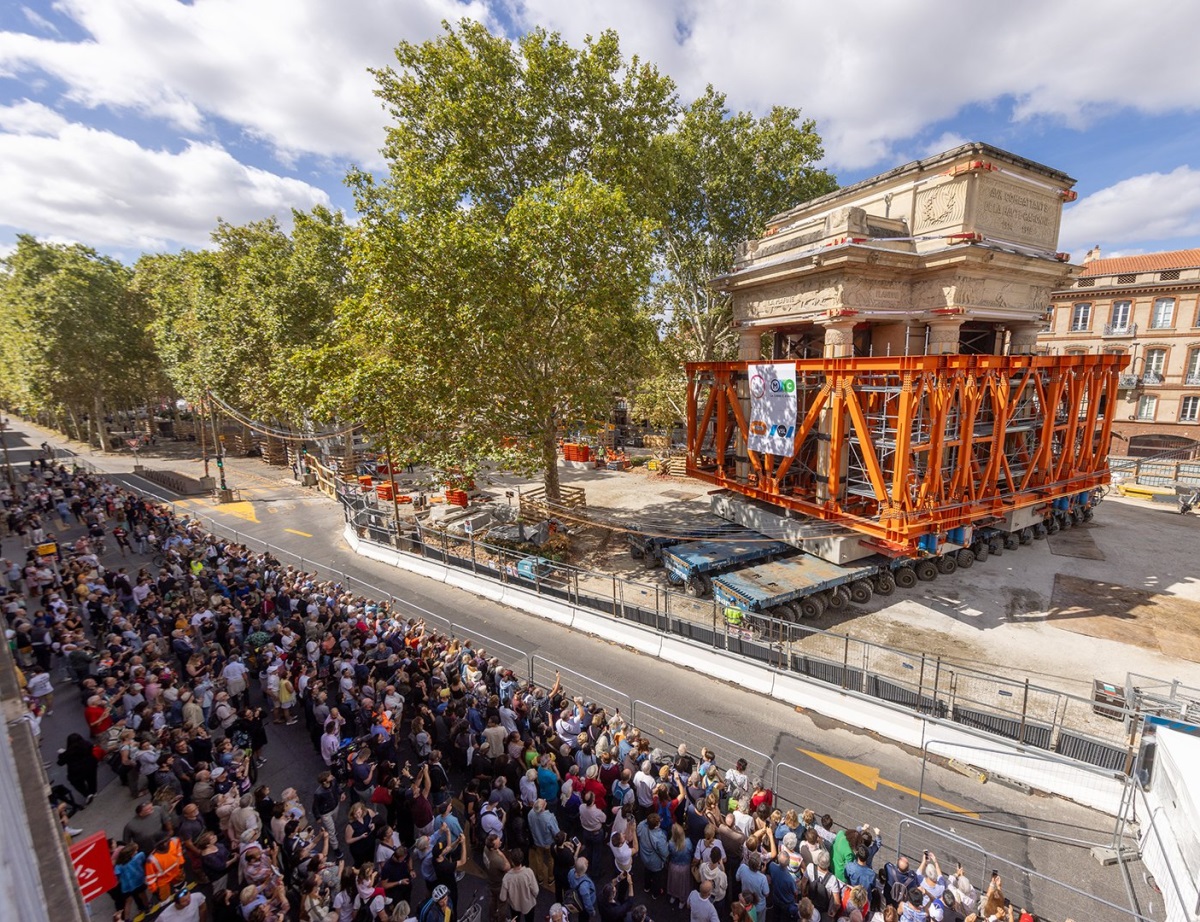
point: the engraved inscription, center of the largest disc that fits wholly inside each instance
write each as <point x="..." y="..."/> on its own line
<point x="788" y="300"/>
<point x="1018" y="214"/>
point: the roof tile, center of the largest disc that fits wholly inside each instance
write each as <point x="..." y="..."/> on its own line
<point x="1147" y="262"/>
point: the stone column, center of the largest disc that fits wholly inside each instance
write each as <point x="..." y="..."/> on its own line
<point x="750" y="346"/>
<point x="943" y="335"/>
<point x="839" y="339"/>
<point x="1022" y="337"/>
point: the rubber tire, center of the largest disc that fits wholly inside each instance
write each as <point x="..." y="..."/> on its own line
<point x="811" y="607"/>
<point x="926" y="570"/>
<point x="1027" y="534"/>
<point x="861" y="592"/>
<point x="946" y="565"/>
<point x="1076" y="515"/>
<point x="905" y="577"/>
<point x="1088" y="514"/>
<point x="782" y="612"/>
<point x="837" y="599"/>
<point x="965" y="559"/>
<point x="996" y="546"/>
<point x="698" y="586"/>
<point x="637" y="553"/>
<point x="1052" y="526"/>
<point x="885" y="583"/>
<point x="673" y="579"/>
<point x="1012" y="541"/>
<point x="982" y="551"/>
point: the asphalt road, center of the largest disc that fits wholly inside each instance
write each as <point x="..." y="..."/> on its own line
<point x="688" y="707"/>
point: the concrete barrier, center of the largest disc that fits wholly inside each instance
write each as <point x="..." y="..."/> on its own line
<point x="1040" y="770"/>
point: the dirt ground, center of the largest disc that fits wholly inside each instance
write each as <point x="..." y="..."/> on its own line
<point x="1163" y="623"/>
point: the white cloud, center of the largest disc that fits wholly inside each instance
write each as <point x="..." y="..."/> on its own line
<point x="875" y="74"/>
<point x="1149" y="207"/>
<point x="38" y="21"/>
<point x="80" y="183"/>
<point x="290" y="72"/>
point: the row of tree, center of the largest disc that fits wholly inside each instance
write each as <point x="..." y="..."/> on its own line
<point x="541" y="241"/>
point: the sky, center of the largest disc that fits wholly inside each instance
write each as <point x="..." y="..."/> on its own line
<point x="134" y="125"/>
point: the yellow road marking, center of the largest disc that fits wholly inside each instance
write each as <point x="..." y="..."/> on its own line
<point x="868" y="776"/>
<point x="242" y="510"/>
<point x="302" y="534"/>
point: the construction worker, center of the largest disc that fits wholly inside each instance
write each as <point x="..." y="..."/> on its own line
<point x="164" y="869"/>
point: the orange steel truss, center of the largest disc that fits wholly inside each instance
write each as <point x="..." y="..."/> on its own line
<point x="898" y="448"/>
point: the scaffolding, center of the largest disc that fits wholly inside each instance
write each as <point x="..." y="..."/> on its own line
<point x="904" y="448"/>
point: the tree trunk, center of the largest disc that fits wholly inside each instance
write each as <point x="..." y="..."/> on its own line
<point x="550" y="462"/>
<point x="98" y="421"/>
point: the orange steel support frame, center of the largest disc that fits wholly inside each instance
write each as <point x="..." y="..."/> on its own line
<point x="899" y="448"/>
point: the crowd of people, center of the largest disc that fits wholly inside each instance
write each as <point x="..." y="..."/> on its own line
<point x="438" y="760"/>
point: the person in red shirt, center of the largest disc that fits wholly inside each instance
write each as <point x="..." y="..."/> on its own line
<point x="98" y="716"/>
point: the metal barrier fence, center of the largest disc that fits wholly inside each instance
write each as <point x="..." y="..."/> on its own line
<point x="1100" y="782"/>
<point x="1040" y="717"/>
<point x="544" y="672"/>
<point x="668" y="730"/>
<point x="1046" y="897"/>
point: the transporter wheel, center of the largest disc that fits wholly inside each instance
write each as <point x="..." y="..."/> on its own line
<point x="674" y="579"/>
<point x="812" y="606"/>
<point x="982" y="550"/>
<point x="965" y="559"/>
<point x="837" y="599"/>
<point x="1014" y="540"/>
<point x="782" y="612"/>
<point x="1076" y="515"/>
<point x="636" y="553"/>
<point x="997" y="545"/>
<point x="885" y="583"/>
<point x="946" y="564"/>
<point x="699" y="586"/>
<point x="905" y="577"/>
<point x="1052" y="527"/>
<point x="860" y="591"/>
<point x="926" y="570"/>
<point x="1088" y="514"/>
<point x="1028" y="533"/>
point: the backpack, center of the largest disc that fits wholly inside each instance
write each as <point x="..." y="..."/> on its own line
<point x="213" y="721"/>
<point x="362" y="909"/>
<point x="819" y="893"/>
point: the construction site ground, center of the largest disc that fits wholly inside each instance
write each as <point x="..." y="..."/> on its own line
<point x="1118" y="595"/>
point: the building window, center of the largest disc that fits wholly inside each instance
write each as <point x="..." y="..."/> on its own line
<point x="1081" y="317"/>
<point x="1118" y="318"/>
<point x="1189" y="409"/>
<point x="1156" y="361"/>
<point x="1147" y="405"/>
<point x="1191" y="377"/>
<point x="1163" y="315"/>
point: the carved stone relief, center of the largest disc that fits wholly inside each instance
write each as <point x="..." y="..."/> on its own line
<point x="939" y="206"/>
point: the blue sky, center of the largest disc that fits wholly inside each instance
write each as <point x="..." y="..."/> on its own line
<point x="134" y="125"/>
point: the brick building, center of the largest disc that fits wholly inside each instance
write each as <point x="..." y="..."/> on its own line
<point x="1145" y="307"/>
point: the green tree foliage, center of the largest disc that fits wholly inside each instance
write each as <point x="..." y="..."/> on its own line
<point x="723" y="175"/>
<point x="76" y="334"/>
<point x="505" y="257"/>
<point x="240" y="318"/>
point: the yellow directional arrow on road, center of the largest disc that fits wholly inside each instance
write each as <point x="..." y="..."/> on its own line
<point x="868" y="776"/>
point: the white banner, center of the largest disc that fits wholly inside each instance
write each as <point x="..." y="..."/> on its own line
<point x="772" y="408"/>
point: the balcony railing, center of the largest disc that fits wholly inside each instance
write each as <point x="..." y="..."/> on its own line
<point x="1151" y="378"/>
<point x="1120" y="329"/>
<point x="1192" y="380"/>
<point x="1127" y="382"/>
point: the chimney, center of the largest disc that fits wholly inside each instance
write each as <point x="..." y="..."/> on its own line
<point x="1093" y="253"/>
